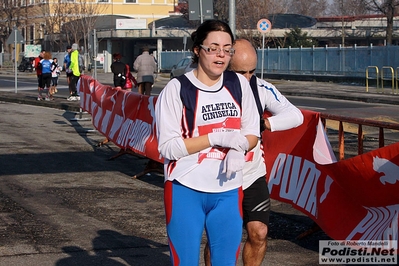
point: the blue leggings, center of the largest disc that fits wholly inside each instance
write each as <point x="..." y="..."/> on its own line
<point x="188" y="211"/>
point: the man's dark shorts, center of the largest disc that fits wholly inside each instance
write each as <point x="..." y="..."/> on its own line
<point x="256" y="202"/>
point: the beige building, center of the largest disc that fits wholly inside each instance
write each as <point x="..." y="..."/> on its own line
<point x="48" y="22"/>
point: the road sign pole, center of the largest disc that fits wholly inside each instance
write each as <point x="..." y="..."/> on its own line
<point x="263" y="54"/>
<point x="263" y="26"/>
<point x="15" y="63"/>
<point x="14" y="38"/>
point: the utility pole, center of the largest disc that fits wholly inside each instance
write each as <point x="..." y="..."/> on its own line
<point x="232" y="16"/>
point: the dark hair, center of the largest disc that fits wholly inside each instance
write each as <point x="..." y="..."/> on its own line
<point x="117" y="56"/>
<point x="204" y="29"/>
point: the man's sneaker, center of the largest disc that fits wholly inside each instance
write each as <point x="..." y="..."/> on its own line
<point x="47" y="98"/>
<point x="39" y="98"/>
<point x="71" y="98"/>
<point x="76" y="97"/>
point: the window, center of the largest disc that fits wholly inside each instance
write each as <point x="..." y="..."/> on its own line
<point x="131" y="1"/>
<point x="32" y="33"/>
<point x="102" y="1"/>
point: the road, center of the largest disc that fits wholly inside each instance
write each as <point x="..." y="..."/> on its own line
<point x="27" y="82"/>
<point x="63" y="202"/>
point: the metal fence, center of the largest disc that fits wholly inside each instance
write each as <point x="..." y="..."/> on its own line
<point x="344" y="61"/>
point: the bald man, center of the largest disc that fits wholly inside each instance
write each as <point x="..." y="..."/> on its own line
<point x="256" y="202"/>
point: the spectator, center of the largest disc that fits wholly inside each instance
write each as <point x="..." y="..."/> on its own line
<point x="55" y="73"/>
<point x="74" y="78"/>
<point x="38" y="68"/>
<point x="131" y="82"/>
<point x="145" y="66"/>
<point x="119" y="70"/>
<point x="67" y="62"/>
<point x="205" y="126"/>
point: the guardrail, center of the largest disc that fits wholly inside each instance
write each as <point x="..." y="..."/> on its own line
<point x="383" y="78"/>
<point x="368" y="76"/>
<point x="360" y="136"/>
<point x="393" y="77"/>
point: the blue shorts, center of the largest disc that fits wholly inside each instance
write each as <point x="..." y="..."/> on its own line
<point x="189" y="211"/>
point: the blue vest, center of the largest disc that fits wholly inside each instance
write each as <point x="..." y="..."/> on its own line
<point x="188" y="94"/>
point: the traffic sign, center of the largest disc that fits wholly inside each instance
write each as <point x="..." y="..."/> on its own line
<point x="264" y="25"/>
<point x="15" y="36"/>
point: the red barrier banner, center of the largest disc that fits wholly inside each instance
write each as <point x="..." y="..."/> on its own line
<point x="125" y="118"/>
<point x="354" y="199"/>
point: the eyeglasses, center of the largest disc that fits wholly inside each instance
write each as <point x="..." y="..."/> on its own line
<point x="216" y="50"/>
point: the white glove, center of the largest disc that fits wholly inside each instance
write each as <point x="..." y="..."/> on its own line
<point x="231" y="139"/>
<point x="233" y="162"/>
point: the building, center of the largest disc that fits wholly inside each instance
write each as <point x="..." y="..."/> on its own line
<point x="44" y="21"/>
<point x="125" y="26"/>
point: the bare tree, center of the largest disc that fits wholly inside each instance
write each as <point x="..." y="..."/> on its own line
<point x="347" y="8"/>
<point x="309" y="8"/>
<point x="85" y="20"/>
<point x="246" y="19"/>
<point x="386" y="7"/>
<point x="11" y="15"/>
<point x="71" y="22"/>
<point x="55" y="16"/>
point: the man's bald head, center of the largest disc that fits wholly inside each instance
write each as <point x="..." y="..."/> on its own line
<point x="245" y="59"/>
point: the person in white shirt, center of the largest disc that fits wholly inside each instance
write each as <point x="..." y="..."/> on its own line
<point x="205" y="128"/>
<point x="284" y="115"/>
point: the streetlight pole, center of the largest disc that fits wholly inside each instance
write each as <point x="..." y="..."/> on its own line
<point x="201" y="15"/>
<point x="342" y="21"/>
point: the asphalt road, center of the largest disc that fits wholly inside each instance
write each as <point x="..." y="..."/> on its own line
<point x="63" y="202"/>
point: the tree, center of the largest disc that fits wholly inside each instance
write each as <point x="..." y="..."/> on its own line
<point x="247" y="18"/>
<point x="84" y="20"/>
<point x="347" y="8"/>
<point x="12" y="15"/>
<point x="296" y="38"/>
<point x="386" y="7"/>
<point x="71" y="22"/>
<point x="309" y="8"/>
<point x="61" y="13"/>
